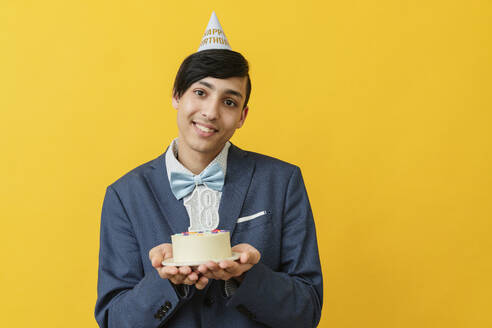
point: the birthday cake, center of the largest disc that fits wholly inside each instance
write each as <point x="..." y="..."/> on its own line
<point x="201" y="247"/>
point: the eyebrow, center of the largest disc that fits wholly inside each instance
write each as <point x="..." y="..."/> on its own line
<point x="228" y="91"/>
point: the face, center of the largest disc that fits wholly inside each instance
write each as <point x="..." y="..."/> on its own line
<point x="209" y="112"/>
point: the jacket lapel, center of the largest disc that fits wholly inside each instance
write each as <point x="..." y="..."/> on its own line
<point x="240" y="169"/>
<point x="172" y="209"/>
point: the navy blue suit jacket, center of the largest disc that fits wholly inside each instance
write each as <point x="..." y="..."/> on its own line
<point x="139" y="212"/>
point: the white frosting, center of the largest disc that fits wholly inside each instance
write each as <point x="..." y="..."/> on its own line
<point x="201" y="247"/>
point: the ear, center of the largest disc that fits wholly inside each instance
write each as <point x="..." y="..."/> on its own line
<point x="175" y="101"/>
<point x="244" y="114"/>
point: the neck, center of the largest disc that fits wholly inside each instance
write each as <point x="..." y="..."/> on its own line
<point x="195" y="161"/>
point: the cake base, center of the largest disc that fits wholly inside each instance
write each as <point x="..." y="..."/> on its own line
<point x="170" y="261"/>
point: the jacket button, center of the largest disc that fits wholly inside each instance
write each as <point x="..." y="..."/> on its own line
<point x="168" y="305"/>
<point x="159" y="315"/>
<point x="209" y="301"/>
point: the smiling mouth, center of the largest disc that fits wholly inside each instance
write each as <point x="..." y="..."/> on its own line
<point x="204" y="128"/>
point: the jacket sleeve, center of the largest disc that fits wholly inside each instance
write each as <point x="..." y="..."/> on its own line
<point x="293" y="296"/>
<point x="127" y="296"/>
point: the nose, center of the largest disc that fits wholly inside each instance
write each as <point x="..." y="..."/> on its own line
<point x="210" y="109"/>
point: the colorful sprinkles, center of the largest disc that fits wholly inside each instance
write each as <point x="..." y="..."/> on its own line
<point x="197" y="233"/>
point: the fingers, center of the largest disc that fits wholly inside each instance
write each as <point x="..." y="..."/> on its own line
<point x="184" y="270"/>
<point x="224" y="270"/>
<point x="227" y="265"/>
<point x="217" y="272"/>
<point x="201" y="283"/>
<point x="242" y="248"/>
<point x="178" y="276"/>
<point x="237" y="269"/>
<point x="159" y="254"/>
<point x="172" y="272"/>
<point x="167" y="272"/>
<point x="190" y="279"/>
<point x="202" y="268"/>
<point x="249" y="254"/>
<point x="244" y="257"/>
<point x="156" y="257"/>
<point x="208" y="269"/>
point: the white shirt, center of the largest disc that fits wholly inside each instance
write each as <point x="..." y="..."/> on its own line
<point x="202" y="204"/>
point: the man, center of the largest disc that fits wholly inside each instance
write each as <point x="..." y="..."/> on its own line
<point x="262" y="201"/>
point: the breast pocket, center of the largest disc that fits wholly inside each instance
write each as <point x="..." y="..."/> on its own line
<point x="260" y="232"/>
<point x="256" y="220"/>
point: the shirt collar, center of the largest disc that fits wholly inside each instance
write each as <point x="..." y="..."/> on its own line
<point x="173" y="165"/>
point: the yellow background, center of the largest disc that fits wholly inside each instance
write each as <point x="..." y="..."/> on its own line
<point x="385" y="105"/>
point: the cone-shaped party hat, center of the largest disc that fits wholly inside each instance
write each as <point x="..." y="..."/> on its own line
<point x="214" y="37"/>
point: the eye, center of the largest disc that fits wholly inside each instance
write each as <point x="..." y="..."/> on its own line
<point x="199" y="92"/>
<point x="230" y="103"/>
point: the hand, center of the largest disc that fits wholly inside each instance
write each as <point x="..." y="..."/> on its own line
<point x="226" y="270"/>
<point x="177" y="275"/>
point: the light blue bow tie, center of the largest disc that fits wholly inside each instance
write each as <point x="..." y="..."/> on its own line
<point x="183" y="183"/>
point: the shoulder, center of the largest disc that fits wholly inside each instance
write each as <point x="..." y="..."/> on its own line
<point x="268" y="164"/>
<point x="137" y="175"/>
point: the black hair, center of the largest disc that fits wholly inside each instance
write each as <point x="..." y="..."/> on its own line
<point x="217" y="63"/>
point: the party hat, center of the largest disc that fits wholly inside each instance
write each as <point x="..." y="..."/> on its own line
<point x="214" y="37"/>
